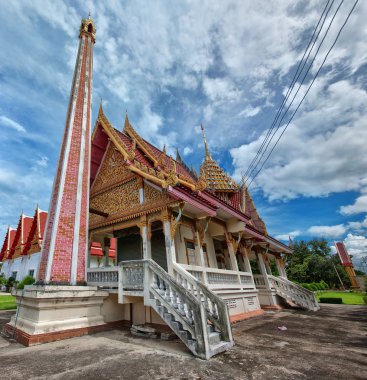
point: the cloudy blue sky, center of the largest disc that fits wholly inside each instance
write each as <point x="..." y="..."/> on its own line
<point x="175" y="64"/>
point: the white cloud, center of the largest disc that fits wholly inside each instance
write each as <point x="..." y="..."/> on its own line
<point x="356" y="245"/>
<point x="250" y="111"/>
<point x="187" y="150"/>
<point x="327" y="231"/>
<point x="358" y="226"/>
<point x="360" y="205"/>
<point x="42" y="161"/>
<point x="7" y="122"/>
<point x="322" y="151"/>
<point x="285" y="237"/>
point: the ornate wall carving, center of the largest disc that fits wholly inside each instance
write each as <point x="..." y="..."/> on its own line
<point x="120" y="198"/>
<point x="113" y="170"/>
<point x="152" y="195"/>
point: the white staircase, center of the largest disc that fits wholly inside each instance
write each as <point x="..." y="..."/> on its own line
<point x="197" y="316"/>
<point x="294" y="293"/>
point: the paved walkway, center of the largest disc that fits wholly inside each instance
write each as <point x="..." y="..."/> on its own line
<point x="328" y="344"/>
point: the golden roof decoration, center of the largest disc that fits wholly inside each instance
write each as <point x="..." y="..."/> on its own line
<point x="248" y="208"/>
<point x="130" y="131"/>
<point x="216" y="178"/>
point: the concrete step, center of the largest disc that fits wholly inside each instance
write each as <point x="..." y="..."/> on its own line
<point x="177" y="326"/>
<point x="214" y="338"/>
<point x="220" y="347"/>
<point x="168" y="317"/>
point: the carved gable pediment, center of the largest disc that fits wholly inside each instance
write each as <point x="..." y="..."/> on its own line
<point x="113" y="170"/>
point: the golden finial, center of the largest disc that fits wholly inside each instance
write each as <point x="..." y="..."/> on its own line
<point x="207" y="154"/>
<point x="127" y="122"/>
<point x="100" y="111"/>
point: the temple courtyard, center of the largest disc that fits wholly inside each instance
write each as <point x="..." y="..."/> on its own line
<point x="328" y="344"/>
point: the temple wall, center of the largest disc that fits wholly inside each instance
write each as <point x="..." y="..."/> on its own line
<point x="22" y="265"/>
<point x="5" y="268"/>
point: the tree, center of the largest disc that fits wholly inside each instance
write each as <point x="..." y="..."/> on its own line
<point x="312" y="261"/>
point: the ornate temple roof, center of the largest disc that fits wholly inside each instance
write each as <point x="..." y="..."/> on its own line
<point x="216" y="178"/>
<point x="8" y="242"/>
<point x="248" y="207"/>
<point x="214" y="189"/>
<point x="33" y="242"/>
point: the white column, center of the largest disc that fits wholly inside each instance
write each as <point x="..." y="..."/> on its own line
<point x="246" y="260"/>
<point x="281" y="267"/>
<point x="267" y="265"/>
<point x="199" y="253"/>
<point x="232" y="257"/>
<point x="147" y="254"/>
<point x="105" y="250"/>
<point x="260" y="259"/>
<point x="170" y="246"/>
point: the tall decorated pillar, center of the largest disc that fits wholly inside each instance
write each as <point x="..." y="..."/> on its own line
<point x="57" y="307"/>
<point x="65" y="245"/>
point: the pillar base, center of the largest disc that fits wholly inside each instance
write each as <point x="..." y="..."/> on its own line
<point x="48" y="312"/>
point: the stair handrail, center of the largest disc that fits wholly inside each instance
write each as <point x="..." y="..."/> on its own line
<point x="309" y="295"/>
<point x="198" y="330"/>
<point x="216" y="311"/>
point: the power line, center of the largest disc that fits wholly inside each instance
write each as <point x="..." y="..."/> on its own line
<point x="307" y="91"/>
<point x="295" y="78"/>
<point x="300" y="85"/>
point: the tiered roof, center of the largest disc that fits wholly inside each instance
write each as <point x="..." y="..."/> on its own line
<point x="216" y="178"/>
<point x="212" y="190"/>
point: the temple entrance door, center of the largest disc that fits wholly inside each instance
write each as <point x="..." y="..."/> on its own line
<point x="129" y="245"/>
<point x="158" y="245"/>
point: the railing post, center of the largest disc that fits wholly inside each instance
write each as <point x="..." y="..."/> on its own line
<point x="170" y="246"/>
<point x="147" y="282"/>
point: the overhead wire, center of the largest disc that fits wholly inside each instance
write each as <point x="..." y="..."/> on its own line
<point x="299" y="86"/>
<point x="307" y="91"/>
<point x="295" y="78"/>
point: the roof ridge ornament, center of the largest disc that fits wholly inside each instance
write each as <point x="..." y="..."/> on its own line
<point x="100" y="110"/>
<point x="127" y="122"/>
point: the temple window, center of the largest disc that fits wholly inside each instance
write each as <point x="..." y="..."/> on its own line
<point x="190" y="252"/>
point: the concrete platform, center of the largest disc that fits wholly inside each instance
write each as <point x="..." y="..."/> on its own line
<point x="329" y="344"/>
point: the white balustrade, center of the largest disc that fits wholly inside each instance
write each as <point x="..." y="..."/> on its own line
<point x="294" y="293"/>
<point x="259" y="281"/>
<point x="218" y="279"/>
<point x="132" y="275"/>
<point x="106" y="277"/>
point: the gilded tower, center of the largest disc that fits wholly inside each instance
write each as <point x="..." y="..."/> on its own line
<point x="66" y="238"/>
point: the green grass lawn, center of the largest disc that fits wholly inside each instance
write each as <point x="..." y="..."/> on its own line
<point x="7" y="302"/>
<point x="348" y="298"/>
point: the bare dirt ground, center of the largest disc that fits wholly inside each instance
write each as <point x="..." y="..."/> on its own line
<point x="328" y="344"/>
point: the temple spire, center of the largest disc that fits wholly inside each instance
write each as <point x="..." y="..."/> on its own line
<point x="207" y="154"/>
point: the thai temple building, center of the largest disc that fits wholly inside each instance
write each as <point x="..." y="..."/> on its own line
<point x="21" y="251"/>
<point x="188" y="251"/>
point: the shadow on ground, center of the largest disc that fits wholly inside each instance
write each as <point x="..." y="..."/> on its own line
<point x="328" y="344"/>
